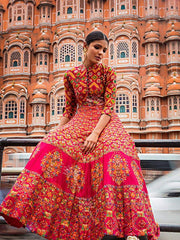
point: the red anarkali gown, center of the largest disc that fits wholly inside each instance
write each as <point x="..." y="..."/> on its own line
<point x="65" y="194"/>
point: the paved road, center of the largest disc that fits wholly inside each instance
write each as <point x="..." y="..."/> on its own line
<point x="9" y="232"/>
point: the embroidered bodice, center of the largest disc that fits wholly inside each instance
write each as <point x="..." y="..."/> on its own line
<point x="93" y="85"/>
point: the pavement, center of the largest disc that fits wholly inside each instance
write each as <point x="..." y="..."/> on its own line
<point x="9" y="232"/>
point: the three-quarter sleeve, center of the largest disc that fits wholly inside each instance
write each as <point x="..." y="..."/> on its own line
<point x="70" y="99"/>
<point x="110" y="92"/>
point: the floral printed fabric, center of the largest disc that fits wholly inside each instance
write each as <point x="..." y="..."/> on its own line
<point x="65" y="194"/>
<point x="101" y="85"/>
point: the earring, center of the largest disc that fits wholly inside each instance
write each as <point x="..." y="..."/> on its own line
<point x="85" y="50"/>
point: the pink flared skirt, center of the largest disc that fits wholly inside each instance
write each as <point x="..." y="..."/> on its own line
<point x="64" y="194"/>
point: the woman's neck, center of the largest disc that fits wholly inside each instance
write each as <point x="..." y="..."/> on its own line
<point x="87" y="64"/>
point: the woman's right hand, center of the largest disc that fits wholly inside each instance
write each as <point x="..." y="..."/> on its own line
<point x="90" y="142"/>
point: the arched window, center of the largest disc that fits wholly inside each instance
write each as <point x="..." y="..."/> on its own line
<point x="22" y="109"/>
<point x="45" y="59"/>
<point x="40" y="59"/>
<point x="67" y="58"/>
<point x="26" y="58"/>
<point x="134" y="103"/>
<point x="122" y="50"/>
<point x="69" y="10"/>
<point x="52" y="106"/>
<point x="58" y="7"/>
<point x="147" y="105"/>
<point x="67" y="53"/>
<point x="81" y="6"/>
<point x="122" y="103"/>
<point x="1" y="109"/>
<point x="15" y="59"/>
<point x="6" y="59"/>
<point x="157" y="104"/>
<point x="134" y="3"/>
<point x="11" y="110"/>
<point x="151" y="50"/>
<point x="37" y="110"/>
<point x="10" y="14"/>
<point x="80" y="52"/>
<point x="29" y="11"/>
<point x="55" y="54"/>
<point x="60" y="105"/>
<point x="42" y="111"/>
<point x="170" y="104"/>
<point x="111" y="51"/>
<point x="175" y="102"/>
<point x="134" y="49"/>
<point x="152" y="105"/>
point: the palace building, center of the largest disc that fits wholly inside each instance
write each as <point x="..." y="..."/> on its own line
<point x="41" y="39"/>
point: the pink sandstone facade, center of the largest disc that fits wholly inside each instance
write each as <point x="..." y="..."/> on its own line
<point x="41" y="39"/>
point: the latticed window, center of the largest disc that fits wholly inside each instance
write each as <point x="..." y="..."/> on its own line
<point x="52" y="106"/>
<point x="42" y="111"/>
<point x="37" y="110"/>
<point x="168" y="47"/>
<point x="10" y="14"/>
<point x="69" y="6"/>
<point x="157" y="49"/>
<point x="122" y="103"/>
<point x="134" y="3"/>
<point x="134" y="103"/>
<point x="175" y="102"/>
<point x="170" y="104"/>
<point x="157" y="104"/>
<point x="173" y="48"/>
<point x="49" y="12"/>
<point x="152" y="105"/>
<point x="11" y="110"/>
<point x="80" y="52"/>
<point x="26" y="58"/>
<point x="81" y="6"/>
<point x="15" y="59"/>
<point x="22" y="109"/>
<point x="29" y="10"/>
<point x="151" y="7"/>
<point x="67" y="53"/>
<point x="134" y="49"/>
<point x="58" y="7"/>
<point x="6" y="60"/>
<point x="147" y="105"/>
<point x="151" y="50"/>
<point x="60" y="104"/>
<point x="112" y="5"/>
<point x="1" y="109"/>
<point x="45" y="59"/>
<point x="96" y="6"/>
<point x="112" y="51"/>
<point x="55" y="54"/>
<point x="44" y="12"/>
<point x="122" y="50"/>
<point x="40" y="59"/>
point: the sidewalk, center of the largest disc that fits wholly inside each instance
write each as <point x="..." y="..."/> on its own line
<point x="9" y="232"/>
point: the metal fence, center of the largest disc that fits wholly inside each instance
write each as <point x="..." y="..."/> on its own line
<point x="164" y="143"/>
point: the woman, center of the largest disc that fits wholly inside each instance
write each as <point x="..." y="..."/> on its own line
<point x="83" y="180"/>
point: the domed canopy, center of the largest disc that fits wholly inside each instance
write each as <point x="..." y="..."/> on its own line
<point x="152" y="91"/>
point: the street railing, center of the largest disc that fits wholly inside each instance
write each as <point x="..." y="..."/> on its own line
<point x="164" y="143"/>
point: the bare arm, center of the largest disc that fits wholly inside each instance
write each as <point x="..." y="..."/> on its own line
<point x="63" y="121"/>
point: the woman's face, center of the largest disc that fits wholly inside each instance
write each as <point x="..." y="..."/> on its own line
<point x="95" y="51"/>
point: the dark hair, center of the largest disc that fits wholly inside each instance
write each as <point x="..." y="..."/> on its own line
<point x="96" y="35"/>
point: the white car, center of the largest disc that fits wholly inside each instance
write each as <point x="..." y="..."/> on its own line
<point x="164" y="194"/>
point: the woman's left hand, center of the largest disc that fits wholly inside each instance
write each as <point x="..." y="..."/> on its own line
<point x="90" y="142"/>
